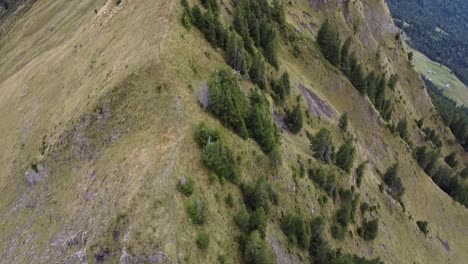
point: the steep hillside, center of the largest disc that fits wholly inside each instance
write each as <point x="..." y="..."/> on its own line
<point x="100" y="102"/>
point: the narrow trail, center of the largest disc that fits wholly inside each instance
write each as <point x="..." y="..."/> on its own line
<point x="167" y="174"/>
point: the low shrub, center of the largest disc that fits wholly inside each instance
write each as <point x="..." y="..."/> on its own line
<point x="423" y="226"/>
<point x="185" y="186"/>
<point x="297" y="229"/>
<point x="197" y="210"/>
<point x="203" y="240"/>
<point x="368" y="230"/>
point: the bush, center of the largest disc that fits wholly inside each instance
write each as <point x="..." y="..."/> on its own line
<point x="255" y="250"/>
<point x="322" y="146"/>
<point x="242" y="220"/>
<point x="393" y="181"/>
<point x="464" y="173"/>
<point x="402" y="129"/>
<point x="203" y="240"/>
<point x="205" y="135"/>
<point x="451" y="159"/>
<point x="219" y="158"/>
<point x="369" y="230"/>
<point x="294" y="119"/>
<point x="296" y="228"/>
<point x="360" y="173"/>
<point x="324" y="179"/>
<point x="197" y="210"/>
<point x="260" y="195"/>
<point x="423" y="226"/>
<point x="338" y="231"/>
<point x="281" y="88"/>
<point x="343" y="124"/>
<point x="185" y="186"/>
<point x="345" y="156"/>
<point x="229" y="200"/>
<point x="258" y="221"/>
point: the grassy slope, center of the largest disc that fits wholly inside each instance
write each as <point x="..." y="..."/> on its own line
<point x="441" y="76"/>
<point x="136" y="175"/>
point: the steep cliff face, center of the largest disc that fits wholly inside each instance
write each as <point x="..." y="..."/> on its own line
<point x="99" y="103"/>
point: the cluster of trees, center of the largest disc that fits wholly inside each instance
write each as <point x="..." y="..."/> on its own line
<point x="437" y="28"/>
<point x="215" y="154"/>
<point x="248" y="117"/>
<point x="444" y="176"/>
<point x="321" y="252"/>
<point x="345" y="214"/>
<point x="454" y="116"/>
<point x="324" y="150"/>
<point x="373" y="85"/>
<point x="250" y="42"/>
<point x="297" y="229"/>
<point x="252" y="220"/>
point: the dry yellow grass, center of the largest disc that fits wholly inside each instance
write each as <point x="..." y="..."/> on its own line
<point x="60" y="66"/>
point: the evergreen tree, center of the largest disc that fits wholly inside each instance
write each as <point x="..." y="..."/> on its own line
<point x="267" y="41"/>
<point x="235" y="53"/>
<point x="344" y="64"/>
<point x="261" y="125"/>
<point x="328" y="40"/>
<point x="277" y="13"/>
<point x="357" y="79"/>
<point x="345" y="156"/>
<point x="343" y="123"/>
<point x="257" y="71"/>
<point x="322" y="146"/>
<point x="228" y="102"/>
<point x="294" y="120"/>
<point x="402" y="129"/>
<point x="255" y="250"/>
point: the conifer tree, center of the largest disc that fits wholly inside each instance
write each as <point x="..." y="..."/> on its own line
<point x="235" y="52"/>
<point x="343" y="124"/>
<point x="257" y="71"/>
<point x="345" y="156"/>
<point x="344" y="64"/>
<point x="328" y="40"/>
<point x="294" y="120"/>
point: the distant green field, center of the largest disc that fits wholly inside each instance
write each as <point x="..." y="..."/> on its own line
<point x="441" y="76"/>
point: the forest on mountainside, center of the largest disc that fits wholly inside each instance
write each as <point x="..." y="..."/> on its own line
<point x="437" y="28"/>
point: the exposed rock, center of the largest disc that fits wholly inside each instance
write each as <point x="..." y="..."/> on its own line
<point x="316" y="105"/>
<point x="203" y="95"/>
<point x="78" y="257"/>
<point x="282" y="257"/>
<point x="36" y="174"/>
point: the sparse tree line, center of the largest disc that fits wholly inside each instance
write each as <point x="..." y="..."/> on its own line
<point x="445" y="172"/>
<point x="340" y="55"/>
<point x="250" y="42"/>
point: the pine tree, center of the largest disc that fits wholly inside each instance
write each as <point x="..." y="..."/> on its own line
<point x="328" y="40"/>
<point x="261" y="125"/>
<point x="343" y="123"/>
<point x="344" y="64"/>
<point x="235" y="53"/>
<point x="322" y="146"/>
<point x="294" y="120"/>
<point x="345" y="156"/>
<point x="357" y="79"/>
<point x="257" y="71"/>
